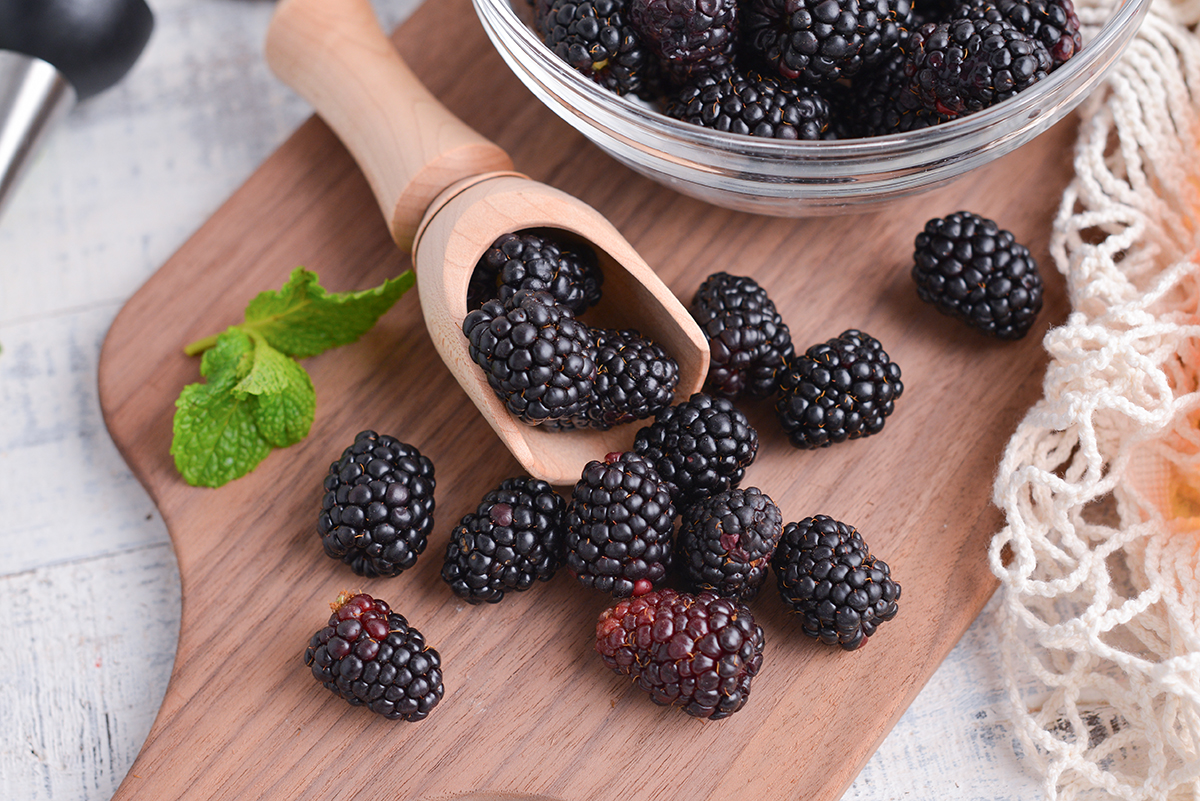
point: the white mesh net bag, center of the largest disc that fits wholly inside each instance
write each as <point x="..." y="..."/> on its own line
<point x="1099" y="560"/>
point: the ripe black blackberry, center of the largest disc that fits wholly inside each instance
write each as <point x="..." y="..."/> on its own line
<point x="701" y="446"/>
<point x="965" y="65"/>
<point x="826" y="573"/>
<point x="841" y="389"/>
<point x="370" y="656"/>
<point x="1054" y="23"/>
<point x="595" y="37"/>
<point x="753" y="104"/>
<point x="537" y="357"/>
<point x="971" y="270"/>
<point x="881" y="101"/>
<point x="619" y="526"/>
<point x="378" y="506"/>
<point x="635" y="378"/>
<point x="527" y="260"/>
<point x="725" y="542"/>
<point x="820" y="41"/>
<point x="692" y="37"/>
<point x="513" y="538"/>
<point x="747" y="339"/>
<point x="698" y="652"/>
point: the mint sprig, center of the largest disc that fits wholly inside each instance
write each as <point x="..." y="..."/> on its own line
<point x="257" y="397"/>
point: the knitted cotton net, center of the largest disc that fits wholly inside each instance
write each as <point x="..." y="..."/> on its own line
<point x="1099" y="560"/>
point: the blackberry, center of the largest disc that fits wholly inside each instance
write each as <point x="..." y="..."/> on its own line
<point x="820" y="41"/>
<point x="698" y="652"/>
<point x="635" y="378"/>
<point x="965" y="65"/>
<point x="1054" y="23"/>
<point x="595" y="38"/>
<point x="693" y="37"/>
<point x="619" y="526"/>
<point x="372" y="657"/>
<point x="527" y="260"/>
<point x="881" y="101"/>
<point x="841" y="389"/>
<point x="826" y="573"/>
<point x="969" y="269"/>
<point x="752" y="104"/>
<point x="701" y="446"/>
<point x="747" y="338"/>
<point x="726" y="540"/>
<point x="377" y="511"/>
<point x="513" y="538"/>
<point x="537" y="357"/>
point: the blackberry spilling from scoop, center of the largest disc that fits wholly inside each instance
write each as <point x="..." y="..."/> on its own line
<point x="512" y="539"/>
<point x="620" y="524"/>
<point x="377" y="510"/>
<point x="370" y="656"/>
<point x="536" y="261"/>
<point x="697" y="652"/>
<point x="826" y="573"/>
<point x="635" y="379"/>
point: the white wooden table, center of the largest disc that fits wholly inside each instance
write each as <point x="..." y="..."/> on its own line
<point x="88" y="580"/>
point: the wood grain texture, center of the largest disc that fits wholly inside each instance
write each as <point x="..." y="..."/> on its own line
<point x="530" y="710"/>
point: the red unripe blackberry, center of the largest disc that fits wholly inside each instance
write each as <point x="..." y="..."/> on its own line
<point x="619" y="526"/>
<point x="538" y="359"/>
<point x="747" y="338"/>
<point x="699" y="447"/>
<point x="697" y="652"/>
<point x="837" y="390"/>
<point x="512" y="539"/>
<point x="378" y="506"/>
<point x="725" y="542"/>
<point x="370" y="656"/>
<point x="826" y="574"/>
<point x="970" y="269"/>
<point x="570" y="272"/>
<point x="635" y="379"/>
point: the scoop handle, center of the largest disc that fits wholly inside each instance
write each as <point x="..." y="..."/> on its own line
<point x="408" y="145"/>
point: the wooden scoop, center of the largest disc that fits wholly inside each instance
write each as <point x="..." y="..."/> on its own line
<point x="448" y="193"/>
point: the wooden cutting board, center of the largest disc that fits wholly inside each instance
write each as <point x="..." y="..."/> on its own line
<point x="530" y="710"/>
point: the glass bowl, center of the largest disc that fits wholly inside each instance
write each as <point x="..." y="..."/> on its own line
<point x="796" y="179"/>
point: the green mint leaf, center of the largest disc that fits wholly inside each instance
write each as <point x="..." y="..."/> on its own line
<point x="282" y="399"/>
<point x="302" y="319"/>
<point x="216" y="438"/>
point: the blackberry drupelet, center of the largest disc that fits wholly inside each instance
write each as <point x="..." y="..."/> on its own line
<point x="512" y="539"/>
<point x="377" y="511"/>
<point x="698" y="652"/>
<point x="635" y="378"/>
<point x="965" y="65"/>
<point x="595" y="38"/>
<point x="619" y="526"/>
<point x="820" y="41"/>
<point x="528" y="260"/>
<point x="753" y="104"/>
<point x="370" y="656"/>
<point x="826" y="573"/>
<point x="725" y="542"/>
<point x="841" y="389"/>
<point x="701" y="446"/>
<point x="747" y="338"/>
<point x="971" y="270"/>
<point x="691" y="37"/>
<point x="537" y="357"/>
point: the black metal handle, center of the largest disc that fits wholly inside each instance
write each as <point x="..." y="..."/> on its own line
<point x="93" y="43"/>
